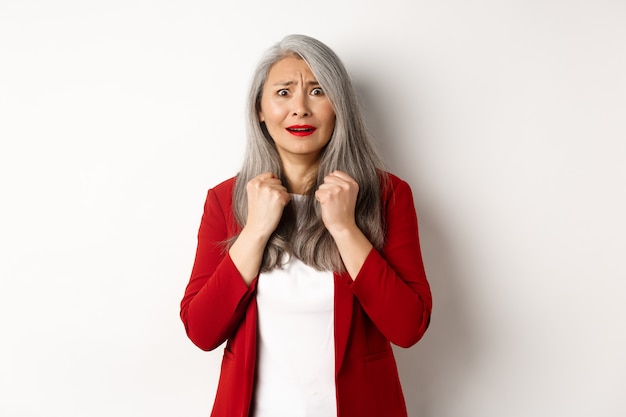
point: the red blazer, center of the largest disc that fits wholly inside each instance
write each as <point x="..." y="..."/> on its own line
<point x="389" y="301"/>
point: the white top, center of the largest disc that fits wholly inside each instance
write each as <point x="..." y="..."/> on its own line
<point x="296" y="343"/>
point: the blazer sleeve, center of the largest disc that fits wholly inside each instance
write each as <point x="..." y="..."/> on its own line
<point x="391" y="286"/>
<point x="216" y="296"/>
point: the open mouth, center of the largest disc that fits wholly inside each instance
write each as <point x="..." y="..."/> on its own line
<point x="301" y="130"/>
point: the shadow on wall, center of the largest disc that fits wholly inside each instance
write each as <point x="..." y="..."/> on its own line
<point x="436" y="369"/>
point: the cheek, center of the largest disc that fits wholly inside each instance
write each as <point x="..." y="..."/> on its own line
<point x="270" y="112"/>
<point x="329" y="126"/>
<point x="331" y="118"/>
<point x="329" y="112"/>
<point x="266" y="109"/>
<point x="326" y="113"/>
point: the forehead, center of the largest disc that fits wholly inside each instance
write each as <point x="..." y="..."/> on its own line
<point x="290" y="69"/>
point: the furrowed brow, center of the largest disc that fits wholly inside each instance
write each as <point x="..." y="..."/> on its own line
<point x="290" y="83"/>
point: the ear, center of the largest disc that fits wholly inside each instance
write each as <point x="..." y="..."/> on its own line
<point x="260" y="116"/>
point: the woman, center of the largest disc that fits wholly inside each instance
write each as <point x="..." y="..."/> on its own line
<point x="308" y="262"/>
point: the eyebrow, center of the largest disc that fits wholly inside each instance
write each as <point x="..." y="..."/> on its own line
<point x="288" y="83"/>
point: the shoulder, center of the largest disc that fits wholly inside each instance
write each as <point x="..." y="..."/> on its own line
<point x="225" y="188"/>
<point x="392" y="185"/>
<point x="392" y="179"/>
<point x="221" y="195"/>
<point x="218" y="206"/>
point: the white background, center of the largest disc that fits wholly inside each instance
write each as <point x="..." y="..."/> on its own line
<point x="506" y="117"/>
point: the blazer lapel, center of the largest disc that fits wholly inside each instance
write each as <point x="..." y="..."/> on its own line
<point x="344" y="300"/>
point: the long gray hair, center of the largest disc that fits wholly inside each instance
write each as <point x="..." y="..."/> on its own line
<point x="349" y="150"/>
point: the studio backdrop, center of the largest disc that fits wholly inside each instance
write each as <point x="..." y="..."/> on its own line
<point x="505" y="117"/>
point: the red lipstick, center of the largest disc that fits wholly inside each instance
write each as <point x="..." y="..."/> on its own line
<point x="301" y="130"/>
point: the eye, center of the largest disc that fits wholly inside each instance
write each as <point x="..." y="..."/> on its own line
<point x="283" y="92"/>
<point x="317" y="91"/>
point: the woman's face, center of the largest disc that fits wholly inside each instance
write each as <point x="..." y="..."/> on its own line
<point x="297" y="113"/>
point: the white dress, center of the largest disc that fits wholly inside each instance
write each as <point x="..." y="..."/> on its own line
<point x="296" y="343"/>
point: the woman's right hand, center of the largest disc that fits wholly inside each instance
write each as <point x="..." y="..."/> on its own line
<point x="267" y="198"/>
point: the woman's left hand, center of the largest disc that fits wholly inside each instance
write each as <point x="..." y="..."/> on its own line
<point x="337" y="198"/>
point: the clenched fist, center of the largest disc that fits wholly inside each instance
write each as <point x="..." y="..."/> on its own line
<point x="337" y="198"/>
<point x="267" y="198"/>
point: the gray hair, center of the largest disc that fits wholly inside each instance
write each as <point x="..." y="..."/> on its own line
<point x="349" y="150"/>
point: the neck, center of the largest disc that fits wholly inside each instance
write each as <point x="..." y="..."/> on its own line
<point x="299" y="176"/>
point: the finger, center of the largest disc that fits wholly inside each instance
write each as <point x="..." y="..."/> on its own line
<point x="273" y="183"/>
<point x="265" y="176"/>
<point x="265" y="179"/>
<point x="336" y="184"/>
<point x="340" y="178"/>
<point x="341" y="175"/>
<point x="321" y="195"/>
<point x="333" y="181"/>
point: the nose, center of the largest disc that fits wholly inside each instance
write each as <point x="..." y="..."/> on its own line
<point x="301" y="106"/>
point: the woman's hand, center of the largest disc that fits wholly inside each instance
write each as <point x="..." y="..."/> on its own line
<point x="337" y="198"/>
<point x="267" y="198"/>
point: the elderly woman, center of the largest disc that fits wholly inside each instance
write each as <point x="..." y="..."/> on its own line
<point x="308" y="262"/>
